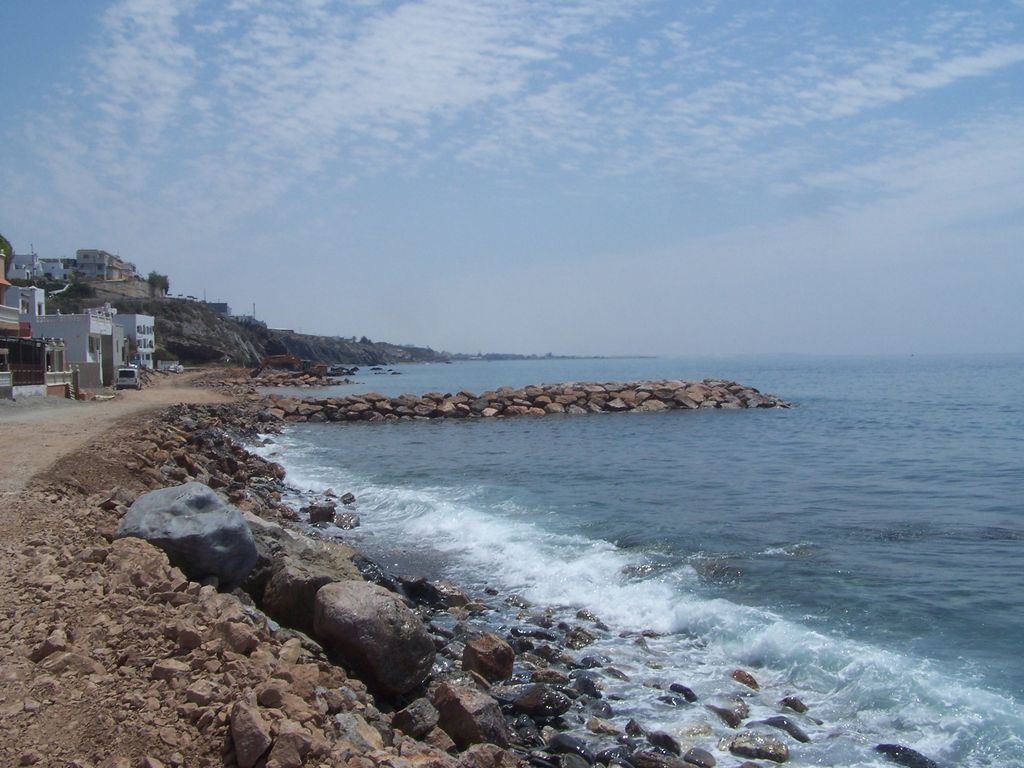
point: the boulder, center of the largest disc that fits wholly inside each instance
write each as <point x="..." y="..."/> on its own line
<point x="489" y="656"/>
<point x="784" y="723"/>
<point x="469" y="716"/>
<point x="291" y="569"/>
<point x="371" y="630"/>
<point x="416" y="720"/>
<point x="759" y="746"/>
<point x="201" y="534"/>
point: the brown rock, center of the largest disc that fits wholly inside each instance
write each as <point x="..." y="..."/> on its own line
<point x="168" y="669"/>
<point x="759" y="746"/>
<point x="371" y="629"/>
<point x="488" y="756"/>
<point x="249" y="733"/>
<point x="745" y="678"/>
<point x="54" y="642"/>
<point x="469" y="716"/>
<point x="489" y="656"/>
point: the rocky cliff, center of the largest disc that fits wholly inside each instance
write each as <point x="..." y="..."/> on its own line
<point x="193" y="333"/>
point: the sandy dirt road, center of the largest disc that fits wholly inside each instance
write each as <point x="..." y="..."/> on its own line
<point x="36" y="432"/>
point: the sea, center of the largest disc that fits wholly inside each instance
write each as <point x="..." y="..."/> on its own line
<point x="863" y="550"/>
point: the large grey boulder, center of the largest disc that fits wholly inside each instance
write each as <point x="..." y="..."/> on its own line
<point x="371" y="630"/>
<point x="201" y="534"/>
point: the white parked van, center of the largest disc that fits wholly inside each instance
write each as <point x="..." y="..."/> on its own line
<point x="128" y="378"/>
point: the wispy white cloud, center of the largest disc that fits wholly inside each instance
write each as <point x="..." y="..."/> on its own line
<point x="198" y="111"/>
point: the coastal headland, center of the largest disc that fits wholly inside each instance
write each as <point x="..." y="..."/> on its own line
<point x="115" y="655"/>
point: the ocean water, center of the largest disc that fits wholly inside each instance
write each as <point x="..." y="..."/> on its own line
<point x="862" y="550"/>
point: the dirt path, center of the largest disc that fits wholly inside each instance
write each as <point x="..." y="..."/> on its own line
<point x="36" y="432"/>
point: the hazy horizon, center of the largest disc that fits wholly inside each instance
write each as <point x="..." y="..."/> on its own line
<point x="599" y="178"/>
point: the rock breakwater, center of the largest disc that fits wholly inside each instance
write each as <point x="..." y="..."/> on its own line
<point x="578" y="398"/>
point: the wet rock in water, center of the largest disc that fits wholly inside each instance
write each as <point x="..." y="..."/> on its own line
<point x="373" y="631"/>
<point x="794" y="703"/>
<point x="587" y="683"/>
<point x="684" y="691"/>
<point x="347" y="520"/>
<point x="416" y="720"/>
<point x="733" y="713"/>
<point x="320" y="513"/>
<point x="549" y="676"/>
<point x="489" y="656"/>
<point x="618" y="754"/>
<point x="348" y="498"/>
<point x="469" y="716"/>
<point x="664" y="741"/>
<point x="785" y="724"/>
<point x="533" y="699"/>
<point x="633" y="728"/>
<point x="700" y="758"/>
<point x="593" y="662"/>
<point x="603" y="727"/>
<point x="527" y="732"/>
<point x="759" y="746"/>
<point x="673" y="700"/>
<point x="578" y="637"/>
<point x="745" y="678"/>
<point x="906" y="756"/>
<point x="602" y="709"/>
<point x="201" y="534"/>
<point x="652" y="758"/>
<point x="563" y="743"/>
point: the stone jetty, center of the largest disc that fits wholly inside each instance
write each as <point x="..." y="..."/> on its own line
<point x="538" y="400"/>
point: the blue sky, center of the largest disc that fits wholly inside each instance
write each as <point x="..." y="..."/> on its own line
<point x="605" y="177"/>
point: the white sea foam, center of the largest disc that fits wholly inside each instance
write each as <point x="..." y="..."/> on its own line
<point x="864" y="694"/>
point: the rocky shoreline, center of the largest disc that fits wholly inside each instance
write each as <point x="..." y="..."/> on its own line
<point x="321" y="658"/>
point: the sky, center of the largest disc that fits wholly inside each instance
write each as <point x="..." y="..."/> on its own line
<point x="600" y="177"/>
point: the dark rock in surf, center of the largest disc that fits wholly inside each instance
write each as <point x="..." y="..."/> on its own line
<point x="664" y="741"/>
<point x="733" y="713"/>
<point x="652" y="758"/>
<point x="700" y="758"/>
<point x="533" y="699"/>
<point x="905" y="756"/>
<point x="792" y="702"/>
<point x="563" y="743"/>
<point x="785" y="724"/>
<point x="684" y="691"/>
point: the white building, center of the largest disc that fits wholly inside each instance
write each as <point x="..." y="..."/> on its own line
<point x="24" y="266"/>
<point x="58" y="269"/>
<point x="139" y="329"/>
<point x="94" y="344"/>
<point x="31" y="302"/>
